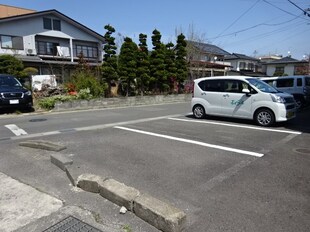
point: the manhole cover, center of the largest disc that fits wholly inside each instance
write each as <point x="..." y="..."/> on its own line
<point x="303" y="150"/>
<point x="71" y="224"/>
<point x="37" y="120"/>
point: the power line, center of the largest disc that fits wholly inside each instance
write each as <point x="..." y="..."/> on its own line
<point x="304" y="11"/>
<point x="219" y="35"/>
<point x="281" y="9"/>
<point x="252" y="27"/>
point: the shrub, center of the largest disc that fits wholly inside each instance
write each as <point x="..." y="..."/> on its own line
<point x="48" y="103"/>
<point x="85" y="80"/>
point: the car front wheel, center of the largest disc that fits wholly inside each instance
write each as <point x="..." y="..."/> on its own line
<point x="199" y="111"/>
<point x="264" y="117"/>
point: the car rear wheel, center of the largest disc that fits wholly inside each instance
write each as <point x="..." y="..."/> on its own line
<point x="264" y="117"/>
<point x="199" y="111"/>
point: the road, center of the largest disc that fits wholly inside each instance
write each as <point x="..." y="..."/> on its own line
<point x="227" y="175"/>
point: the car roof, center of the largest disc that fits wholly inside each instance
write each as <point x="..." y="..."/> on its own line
<point x="224" y="77"/>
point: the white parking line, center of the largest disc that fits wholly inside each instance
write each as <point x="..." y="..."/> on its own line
<point x="16" y="130"/>
<point x="193" y="142"/>
<point x="240" y="126"/>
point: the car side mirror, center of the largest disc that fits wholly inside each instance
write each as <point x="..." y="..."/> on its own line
<point x="246" y="91"/>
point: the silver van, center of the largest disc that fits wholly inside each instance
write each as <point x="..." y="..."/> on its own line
<point x="298" y="86"/>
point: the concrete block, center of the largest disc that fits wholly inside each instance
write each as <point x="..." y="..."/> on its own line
<point x="70" y="175"/>
<point x="89" y="182"/>
<point x="41" y="144"/>
<point x="118" y="193"/>
<point x="159" y="214"/>
<point x="60" y="160"/>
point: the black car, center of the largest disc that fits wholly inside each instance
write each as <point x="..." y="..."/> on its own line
<point x="13" y="94"/>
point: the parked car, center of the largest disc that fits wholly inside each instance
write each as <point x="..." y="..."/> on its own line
<point x="241" y="97"/>
<point x="298" y="86"/>
<point x="13" y="94"/>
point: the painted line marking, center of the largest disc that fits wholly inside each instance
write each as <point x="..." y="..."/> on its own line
<point x="16" y="130"/>
<point x="239" y="126"/>
<point x="210" y="184"/>
<point x="193" y="142"/>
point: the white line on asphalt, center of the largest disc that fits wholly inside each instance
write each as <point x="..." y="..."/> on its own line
<point x="193" y="142"/>
<point x="16" y="130"/>
<point x="239" y="126"/>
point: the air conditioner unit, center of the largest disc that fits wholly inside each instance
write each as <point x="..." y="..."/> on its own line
<point x="30" y="52"/>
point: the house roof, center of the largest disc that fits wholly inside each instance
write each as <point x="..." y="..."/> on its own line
<point x="208" y="48"/>
<point x="237" y="56"/>
<point x="58" y="14"/>
<point x="286" y="60"/>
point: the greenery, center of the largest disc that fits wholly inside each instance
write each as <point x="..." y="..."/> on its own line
<point x="11" y="65"/>
<point x="84" y="78"/>
<point x="143" y="65"/>
<point x="48" y="103"/>
<point x="127" y="65"/>
<point x="109" y="65"/>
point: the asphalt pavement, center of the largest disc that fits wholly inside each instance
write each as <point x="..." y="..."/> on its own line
<point x="226" y="175"/>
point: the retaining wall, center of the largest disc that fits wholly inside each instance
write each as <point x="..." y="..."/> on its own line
<point x="121" y="101"/>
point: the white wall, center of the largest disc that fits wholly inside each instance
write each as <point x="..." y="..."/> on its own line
<point x="28" y="28"/>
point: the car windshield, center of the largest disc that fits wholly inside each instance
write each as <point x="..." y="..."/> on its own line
<point x="9" y="81"/>
<point x="262" y="86"/>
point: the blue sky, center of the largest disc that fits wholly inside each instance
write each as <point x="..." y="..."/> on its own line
<point x="251" y="27"/>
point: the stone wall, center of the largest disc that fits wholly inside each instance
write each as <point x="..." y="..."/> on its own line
<point x="121" y="102"/>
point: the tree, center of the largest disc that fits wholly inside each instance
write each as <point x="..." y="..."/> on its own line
<point x="11" y="65"/>
<point x="143" y="65"/>
<point x="127" y="65"/>
<point x="109" y="65"/>
<point x="157" y="63"/>
<point x="180" y="62"/>
<point x="171" y="70"/>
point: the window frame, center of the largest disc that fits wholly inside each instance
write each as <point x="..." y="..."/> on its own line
<point x="16" y="42"/>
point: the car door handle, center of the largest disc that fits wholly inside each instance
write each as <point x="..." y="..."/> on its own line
<point x="226" y="95"/>
<point x="203" y="93"/>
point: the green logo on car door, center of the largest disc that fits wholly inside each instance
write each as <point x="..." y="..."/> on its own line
<point x="236" y="102"/>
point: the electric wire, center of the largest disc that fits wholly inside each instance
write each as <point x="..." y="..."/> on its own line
<point x="244" y="13"/>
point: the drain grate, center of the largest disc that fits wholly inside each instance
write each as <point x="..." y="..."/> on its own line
<point x="71" y="224"/>
<point x="37" y="120"/>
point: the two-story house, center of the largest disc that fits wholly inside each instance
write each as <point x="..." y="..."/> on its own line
<point x="286" y="66"/>
<point x="243" y="65"/>
<point x="50" y="42"/>
<point x="206" y="60"/>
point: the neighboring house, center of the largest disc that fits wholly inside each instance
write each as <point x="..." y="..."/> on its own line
<point x="286" y="66"/>
<point x="243" y="65"/>
<point x="206" y="60"/>
<point x="8" y="11"/>
<point x="50" y="41"/>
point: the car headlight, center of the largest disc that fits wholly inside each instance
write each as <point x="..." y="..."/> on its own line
<point x="28" y="93"/>
<point x="277" y="99"/>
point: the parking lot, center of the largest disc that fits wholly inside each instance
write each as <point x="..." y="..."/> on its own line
<point x="226" y="175"/>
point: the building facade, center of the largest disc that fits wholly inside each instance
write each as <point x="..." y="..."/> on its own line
<point x="50" y="42"/>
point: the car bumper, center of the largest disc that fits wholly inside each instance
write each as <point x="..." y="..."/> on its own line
<point x="285" y="112"/>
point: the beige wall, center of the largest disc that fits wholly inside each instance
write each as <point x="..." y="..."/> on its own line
<point x="8" y="11"/>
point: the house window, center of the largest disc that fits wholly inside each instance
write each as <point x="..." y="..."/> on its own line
<point x="12" y="42"/>
<point x="242" y="65"/>
<point x="250" y="66"/>
<point x="46" y="48"/>
<point x="50" y="24"/>
<point x="87" y="51"/>
<point x="56" y="25"/>
<point x="47" y="23"/>
<point x="279" y="71"/>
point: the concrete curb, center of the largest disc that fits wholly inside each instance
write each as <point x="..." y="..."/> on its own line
<point x="61" y="161"/>
<point x="161" y="215"/>
<point x="42" y="144"/>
